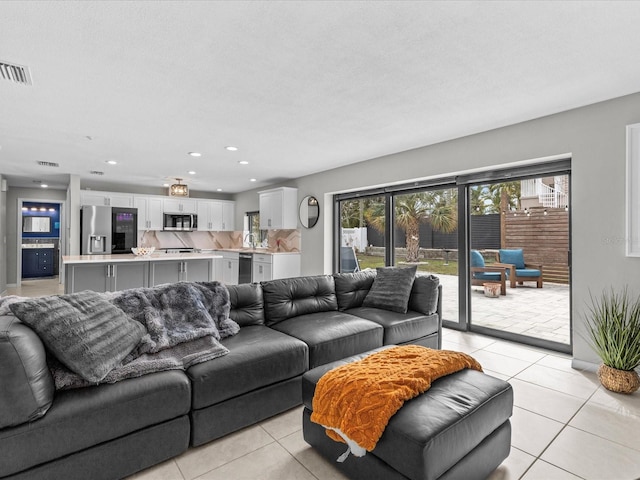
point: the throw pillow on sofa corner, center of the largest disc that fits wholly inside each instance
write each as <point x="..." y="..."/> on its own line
<point x="424" y="294"/>
<point x="85" y="331"/>
<point x="391" y="289"/>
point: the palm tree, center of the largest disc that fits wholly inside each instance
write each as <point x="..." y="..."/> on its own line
<point x="438" y="207"/>
<point x="501" y="196"/>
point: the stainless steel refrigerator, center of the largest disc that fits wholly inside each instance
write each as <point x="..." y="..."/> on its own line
<point x="108" y="230"/>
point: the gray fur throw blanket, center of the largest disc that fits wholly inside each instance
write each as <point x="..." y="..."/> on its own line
<point x="185" y="322"/>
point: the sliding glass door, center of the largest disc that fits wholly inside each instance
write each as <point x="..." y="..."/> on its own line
<point x="498" y="241"/>
<point x="362" y="239"/>
<point x="425" y="234"/>
<point x="519" y="260"/>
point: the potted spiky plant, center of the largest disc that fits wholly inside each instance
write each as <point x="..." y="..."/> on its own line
<point x="613" y="325"/>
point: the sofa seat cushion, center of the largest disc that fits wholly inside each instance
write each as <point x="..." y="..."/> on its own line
<point x="399" y="327"/>
<point x="332" y="335"/>
<point x="84" y="417"/>
<point x="258" y="356"/>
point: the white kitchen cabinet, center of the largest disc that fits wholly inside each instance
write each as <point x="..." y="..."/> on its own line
<point x="279" y="208"/>
<point x="230" y="268"/>
<point x="261" y="268"/>
<point x="150" y="210"/>
<point x="182" y="205"/>
<point x="216" y="215"/>
<point x="267" y="266"/>
<point x="109" y="199"/>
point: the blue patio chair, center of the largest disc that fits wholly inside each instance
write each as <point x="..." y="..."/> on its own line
<point x="481" y="273"/>
<point x="519" y="271"/>
<point x="348" y="260"/>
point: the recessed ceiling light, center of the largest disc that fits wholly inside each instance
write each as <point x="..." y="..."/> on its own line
<point x="24" y="209"/>
<point x="231" y="148"/>
<point x="111" y="162"/>
<point x="44" y="185"/>
<point x="165" y="184"/>
<point x="218" y="189"/>
<point x="191" y="172"/>
<point x="252" y="180"/>
<point x="243" y="162"/>
<point x="52" y="209"/>
<point x="42" y="209"/>
<point x="34" y="209"/>
<point x="195" y="154"/>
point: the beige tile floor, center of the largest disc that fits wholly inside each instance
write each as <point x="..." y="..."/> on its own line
<point x="527" y="310"/>
<point x="565" y="426"/>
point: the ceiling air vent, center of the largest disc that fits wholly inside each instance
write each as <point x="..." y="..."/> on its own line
<point x="96" y="172"/>
<point x="48" y="164"/>
<point x="15" y="73"/>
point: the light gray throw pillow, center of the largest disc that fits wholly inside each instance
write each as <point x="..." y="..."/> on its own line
<point x="391" y="289"/>
<point x="86" y="332"/>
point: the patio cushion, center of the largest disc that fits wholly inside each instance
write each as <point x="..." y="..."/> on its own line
<point x="477" y="260"/>
<point x="492" y="276"/>
<point x="512" y="256"/>
<point x="527" y="272"/>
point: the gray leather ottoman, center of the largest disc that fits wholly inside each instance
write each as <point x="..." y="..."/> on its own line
<point x="458" y="429"/>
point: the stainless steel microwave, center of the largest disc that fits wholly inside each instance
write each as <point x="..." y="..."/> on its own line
<point x="180" y="222"/>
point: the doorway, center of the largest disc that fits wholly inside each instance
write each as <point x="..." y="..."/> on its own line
<point x="40" y="243"/>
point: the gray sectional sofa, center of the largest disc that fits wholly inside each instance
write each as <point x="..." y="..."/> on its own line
<point x="113" y="430"/>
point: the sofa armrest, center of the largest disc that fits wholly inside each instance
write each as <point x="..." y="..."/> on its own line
<point x="27" y="388"/>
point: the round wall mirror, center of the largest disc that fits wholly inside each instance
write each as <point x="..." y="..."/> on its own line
<point x="309" y="211"/>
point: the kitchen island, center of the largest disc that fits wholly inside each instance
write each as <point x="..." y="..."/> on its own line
<point x="108" y="273"/>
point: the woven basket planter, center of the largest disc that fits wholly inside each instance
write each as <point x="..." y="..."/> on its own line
<point x="620" y="381"/>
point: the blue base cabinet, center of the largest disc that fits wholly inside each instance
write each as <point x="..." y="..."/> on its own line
<point x="37" y="262"/>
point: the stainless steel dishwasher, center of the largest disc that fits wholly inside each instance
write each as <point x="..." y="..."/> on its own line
<point x="245" y="267"/>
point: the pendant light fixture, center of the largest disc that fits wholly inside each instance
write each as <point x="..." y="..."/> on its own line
<point x="178" y="189"/>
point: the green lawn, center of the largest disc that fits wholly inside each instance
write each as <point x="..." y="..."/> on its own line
<point x="432" y="265"/>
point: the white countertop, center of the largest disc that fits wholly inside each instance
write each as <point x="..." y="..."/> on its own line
<point x="38" y="245"/>
<point x="262" y="251"/>
<point x="129" y="257"/>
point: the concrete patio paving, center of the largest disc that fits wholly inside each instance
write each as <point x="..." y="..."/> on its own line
<point x="536" y="312"/>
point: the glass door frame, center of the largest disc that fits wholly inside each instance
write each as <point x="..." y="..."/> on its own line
<point x="463" y="183"/>
<point x="558" y="167"/>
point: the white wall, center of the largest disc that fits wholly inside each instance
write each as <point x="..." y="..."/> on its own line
<point x="3" y="239"/>
<point x="595" y="138"/>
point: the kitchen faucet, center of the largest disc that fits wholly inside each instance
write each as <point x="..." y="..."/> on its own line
<point x="252" y="239"/>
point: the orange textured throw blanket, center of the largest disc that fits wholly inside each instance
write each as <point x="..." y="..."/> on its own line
<point x="354" y="402"/>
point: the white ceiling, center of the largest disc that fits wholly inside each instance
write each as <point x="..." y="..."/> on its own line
<point x="298" y="87"/>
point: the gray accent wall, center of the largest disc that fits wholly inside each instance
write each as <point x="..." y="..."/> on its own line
<point x="593" y="136"/>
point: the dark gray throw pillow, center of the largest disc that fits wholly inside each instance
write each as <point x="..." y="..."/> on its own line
<point x="424" y="294"/>
<point x="86" y="332"/>
<point x="391" y="289"/>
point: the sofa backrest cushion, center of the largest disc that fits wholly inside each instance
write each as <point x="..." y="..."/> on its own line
<point x="290" y="297"/>
<point x="27" y="385"/>
<point x="351" y="288"/>
<point x="247" y="305"/>
<point x="424" y="294"/>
